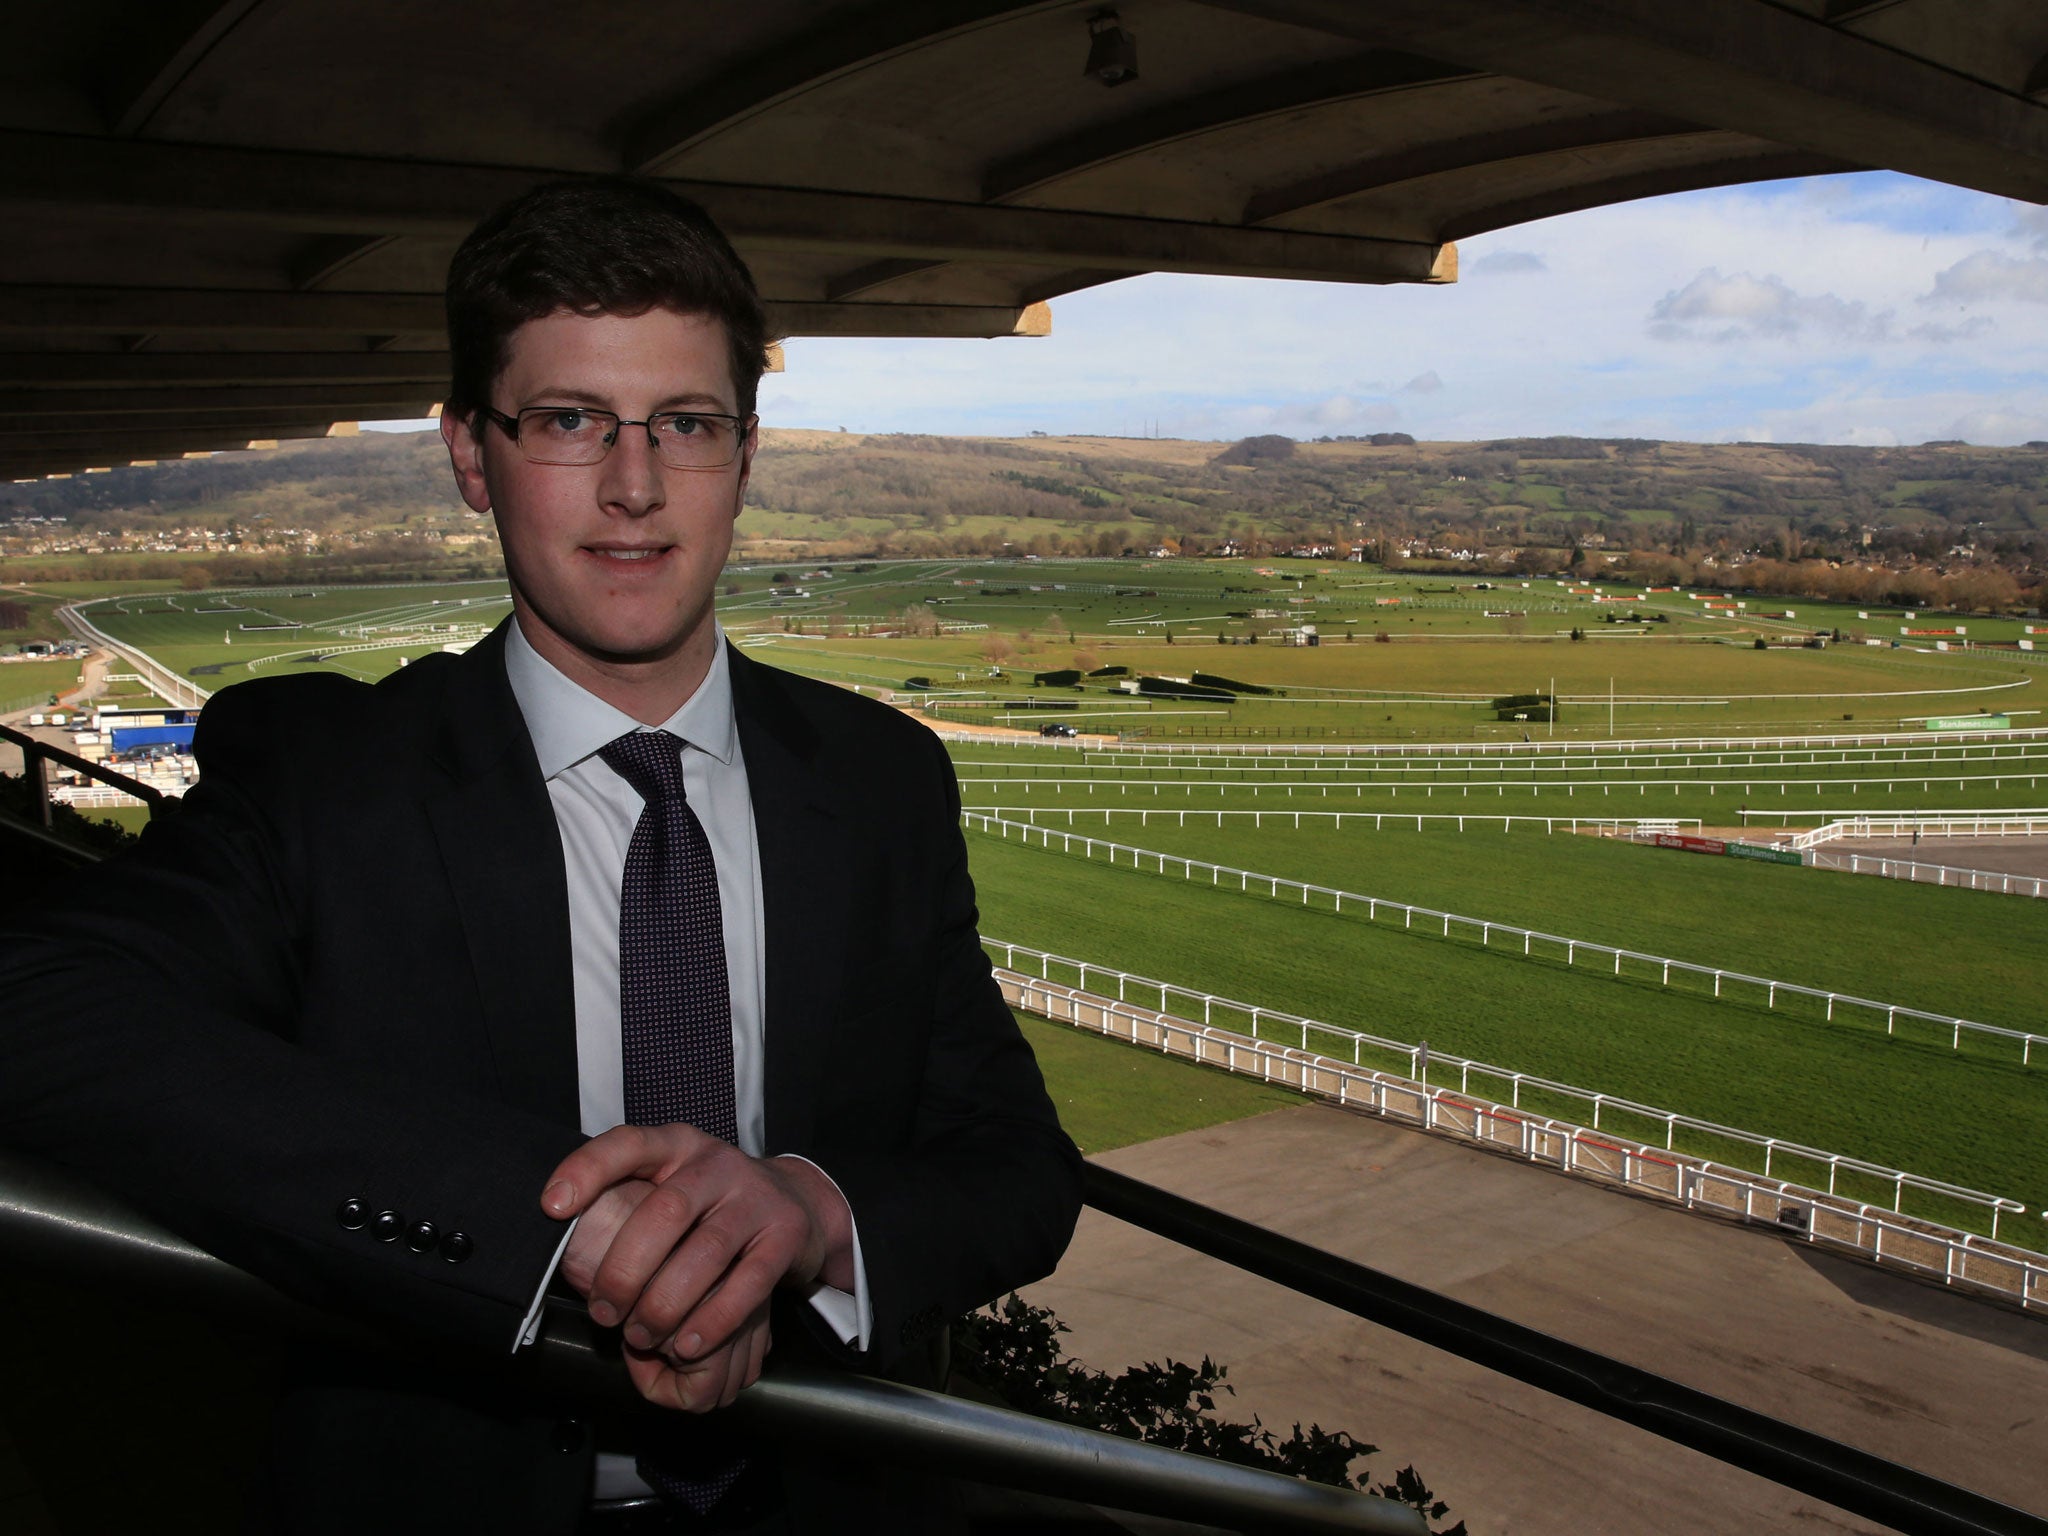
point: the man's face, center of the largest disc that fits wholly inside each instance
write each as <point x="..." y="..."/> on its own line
<point x="613" y="564"/>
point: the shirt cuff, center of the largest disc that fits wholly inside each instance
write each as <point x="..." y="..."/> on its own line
<point x="529" y="1330"/>
<point x="852" y="1317"/>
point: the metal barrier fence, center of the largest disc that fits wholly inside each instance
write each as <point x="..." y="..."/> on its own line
<point x="1751" y="784"/>
<point x="1661" y="966"/>
<point x="1965" y="820"/>
<point x="1995" y="881"/>
<point x="1591" y="757"/>
<point x="1499" y="1082"/>
<point x="2013" y="823"/>
<point x="1946" y="1254"/>
<point x="1612" y="825"/>
<point x="1537" y="748"/>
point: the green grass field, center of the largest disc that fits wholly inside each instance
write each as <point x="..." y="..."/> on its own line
<point x="1112" y="1095"/>
<point x="1972" y="1117"/>
<point x="1774" y="786"/>
<point x="1967" y="953"/>
<point x="1969" y="1118"/>
<point x="1459" y="646"/>
<point x="31" y="684"/>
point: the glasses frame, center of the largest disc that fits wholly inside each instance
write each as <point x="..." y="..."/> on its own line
<point x="741" y="427"/>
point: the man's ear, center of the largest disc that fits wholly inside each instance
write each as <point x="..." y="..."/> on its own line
<point x="466" y="454"/>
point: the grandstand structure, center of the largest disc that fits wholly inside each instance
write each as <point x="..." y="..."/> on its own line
<point x="196" y="261"/>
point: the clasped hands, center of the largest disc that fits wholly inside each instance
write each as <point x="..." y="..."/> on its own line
<point x="683" y="1239"/>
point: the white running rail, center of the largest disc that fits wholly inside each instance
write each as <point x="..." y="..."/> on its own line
<point x="1486" y="929"/>
<point x="1947" y="1254"/>
<point x="1258" y="1023"/>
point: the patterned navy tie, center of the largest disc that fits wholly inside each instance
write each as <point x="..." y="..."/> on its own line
<point x="675" y="1024"/>
<point x="675" y="1008"/>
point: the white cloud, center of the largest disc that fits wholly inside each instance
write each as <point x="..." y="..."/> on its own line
<point x="1749" y="308"/>
<point x="1424" y="384"/>
<point x="1942" y="335"/>
<point x="2030" y="222"/>
<point x="1992" y="424"/>
<point x="1505" y="261"/>
<point x="1992" y="276"/>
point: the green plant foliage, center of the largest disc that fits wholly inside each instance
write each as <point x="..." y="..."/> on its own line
<point x="1011" y="1349"/>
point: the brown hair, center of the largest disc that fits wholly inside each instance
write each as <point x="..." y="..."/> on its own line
<point x="599" y="245"/>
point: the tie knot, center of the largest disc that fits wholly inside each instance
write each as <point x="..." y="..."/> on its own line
<point x="650" y="761"/>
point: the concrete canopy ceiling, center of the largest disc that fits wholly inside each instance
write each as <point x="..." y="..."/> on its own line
<point x="227" y="220"/>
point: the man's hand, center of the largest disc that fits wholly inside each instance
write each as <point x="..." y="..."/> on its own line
<point x="683" y="1238"/>
<point x="697" y="1386"/>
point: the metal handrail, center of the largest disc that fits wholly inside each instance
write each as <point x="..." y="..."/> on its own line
<point x="34" y="754"/>
<point x="1844" y="1476"/>
<point x="59" y="1226"/>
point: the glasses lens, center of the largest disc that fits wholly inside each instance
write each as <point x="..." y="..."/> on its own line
<point x="565" y="434"/>
<point x="686" y="441"/>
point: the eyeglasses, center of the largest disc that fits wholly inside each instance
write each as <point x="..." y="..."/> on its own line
<point x="579" y="434"/>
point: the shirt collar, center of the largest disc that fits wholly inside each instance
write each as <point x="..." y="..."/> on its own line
<point x="568" y="723"/>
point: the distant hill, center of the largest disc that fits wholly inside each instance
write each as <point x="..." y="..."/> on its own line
<point x="846" y="492"/>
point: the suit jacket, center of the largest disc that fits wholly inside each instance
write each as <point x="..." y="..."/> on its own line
<point x="336" y="983"/>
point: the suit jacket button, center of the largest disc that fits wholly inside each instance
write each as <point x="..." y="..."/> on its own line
<point x="352" y="1214"/>
<point x="569" y="1436"/>
<point x="420" y="1236"/>
<point x="456" y="1247"/>
<point x="386" y="1225"/>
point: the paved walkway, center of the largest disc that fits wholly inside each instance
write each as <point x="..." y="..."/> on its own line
<point x="1996" y="855"/>
<point x="1938" y="1381"/>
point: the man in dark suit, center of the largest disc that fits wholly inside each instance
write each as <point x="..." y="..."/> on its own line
<point x="343" y="1018"/>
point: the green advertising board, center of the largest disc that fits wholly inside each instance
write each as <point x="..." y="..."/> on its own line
<point x="1968" y="723"/>
<point x="1767" y="854"/>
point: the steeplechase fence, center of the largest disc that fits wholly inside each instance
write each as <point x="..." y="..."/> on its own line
<point x="1448" y="925"/>
<point x="1946" y="1254"/>
<point x="1609" y="1114"/>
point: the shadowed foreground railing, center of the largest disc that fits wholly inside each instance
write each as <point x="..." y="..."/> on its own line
<point x="55" y="1226"/>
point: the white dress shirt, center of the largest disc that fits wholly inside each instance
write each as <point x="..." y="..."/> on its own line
<point x="596" y="810"/>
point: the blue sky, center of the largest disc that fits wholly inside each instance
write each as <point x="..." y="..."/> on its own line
<point x="1873" y="308"/>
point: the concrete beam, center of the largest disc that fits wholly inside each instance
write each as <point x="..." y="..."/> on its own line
<point x="1755" y="69"/>
<point x="804" y="59"/>
<point x="20" y="456"/>
<point x="29" y="308"/>
<point x="1554" y="137"/>
<point x="1368" y="74"/>
<point x="46" y="371"/>
<point x="1774" y="165"/>
<point x="149" y="55"/>
<point x="338" y="194"/>
<point x="372" y="400"/>
<point x="172" y="433"/>
<point x="115" y="311"/>
<point x="787" y="318"/>
<point x="325" y="257"/>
